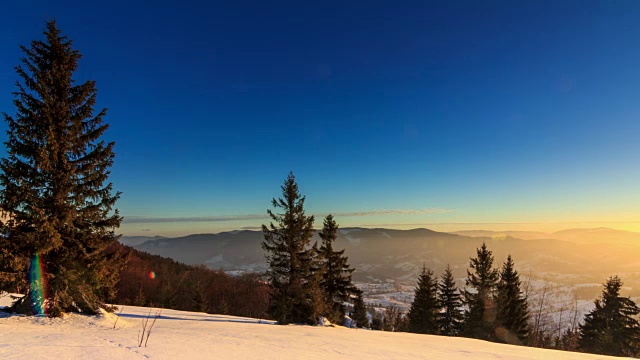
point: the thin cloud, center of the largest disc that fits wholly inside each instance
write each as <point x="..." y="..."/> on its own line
<point x="507" y="223"/>
<point x="220" y="218"/>
<point x="394" y="212"/>
<point x="225" y="218"/>
<point x="251" y="228"/>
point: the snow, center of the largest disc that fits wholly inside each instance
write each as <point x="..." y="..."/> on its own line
<point x="6" y="299"/>
<point x="191" y="335"/>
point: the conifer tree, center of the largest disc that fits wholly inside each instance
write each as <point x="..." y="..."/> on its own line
<point x="55" y="187"/>
<point x="450" y="316"/>
<point x="611" y="328"/>
<point x="360" y="311"/>
<point x="513" y="312"/>
<point x="317" y="304"/>
<point x="394" y="319"/>
<point x="199" y="301"/>
<point x="169" y="295"/>
<point x="336" y="280"/>
<point x="377" y="321"/>
<point x="286" y="243"/>
<point x="140" y="299"/>
<point x="480" y="316"/>
<point x="423" y="313"/>
<point x="223" y="307"/>
<point x="568" y="340"/>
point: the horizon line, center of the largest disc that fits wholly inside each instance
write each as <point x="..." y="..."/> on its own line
<point x="419" y="227"/>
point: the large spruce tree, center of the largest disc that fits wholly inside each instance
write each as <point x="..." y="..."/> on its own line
<point x="286" y="243"/>
<point x="513" y="312"/>
<point x="423" y="313"/>
<point x="55" y="187"/>
<point x="479" y="296"/>
<point x="450" y="316"/>
<point x="612" y="327"/>
<point x="336" y="280"/>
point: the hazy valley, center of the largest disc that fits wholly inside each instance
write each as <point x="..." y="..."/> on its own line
<point x="562" y="271"/>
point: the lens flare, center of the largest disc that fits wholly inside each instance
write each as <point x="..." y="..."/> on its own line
<point x="38" y="285"/>
<point x="152" y="275"/>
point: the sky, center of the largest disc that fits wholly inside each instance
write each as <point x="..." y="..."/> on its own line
<point x="449" y="115"/>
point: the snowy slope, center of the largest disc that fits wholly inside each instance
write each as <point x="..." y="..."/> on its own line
<point x="188" y="335"/>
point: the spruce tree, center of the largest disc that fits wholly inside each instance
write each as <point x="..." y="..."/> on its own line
<point x="199" y="301"/>
<point x="513" y="312"/>
<point x="286" y="243"/>
<point x="55" y="187"/>
<point x="377" y="321"/>
<point x="480" y="316"/>
<point x="315" y="269"/>
<point x="394" y="319"/>
<point x="140" y="299"/>
<point x="336" y="280"/>
<point x="568" y="341"/>
<point x="611" y="328"/>
<point x="359" y="315"/>
<point x="169" y="295"/>
<point x="223" y="307"/>
<point x="423" y="313"/>
<point x="450" y="316"/>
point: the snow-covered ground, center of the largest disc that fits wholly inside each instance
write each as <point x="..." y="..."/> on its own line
<point x="190" y="335"/>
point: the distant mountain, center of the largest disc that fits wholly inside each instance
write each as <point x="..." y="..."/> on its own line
<point x="381" y="254"/>
<point x="600" y="235"/>
<point x="234" y="250"/>
<point x="137" y="240"/>
<point x="597" y="235"/>
<point x="524" y="235"/>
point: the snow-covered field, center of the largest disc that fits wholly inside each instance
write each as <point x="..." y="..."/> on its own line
<point x="189" y="335"/>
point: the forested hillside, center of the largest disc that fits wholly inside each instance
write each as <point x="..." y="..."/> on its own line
<point x="155" y="281"/>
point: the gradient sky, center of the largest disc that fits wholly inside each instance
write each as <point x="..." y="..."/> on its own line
<point x="449" y="115"/>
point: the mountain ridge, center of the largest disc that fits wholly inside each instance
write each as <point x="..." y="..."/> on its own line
<point x="380" y="254"/>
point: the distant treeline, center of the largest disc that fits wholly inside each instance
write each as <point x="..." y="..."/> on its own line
<point x="155" y="281"/>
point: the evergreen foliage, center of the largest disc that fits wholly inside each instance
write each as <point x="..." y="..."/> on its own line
<point x="55" y="187"/>
<point x="140" y="299"/>
<point x="394" y="319"/>
<point x="423" y="313"/>
<point x="286" y="243"/>
<point x="611" y="328"/>
<point x="513" y="312"/>
<point x="377" y="322"/>
<point x="200" y="303"/>
<point x="359" y="314"/>
<point x="480" y="316"/>
<point x="169" y="295"/>
<point x="450" y="316"/>
<point x="316" y="268"/>
<point x="173" y="287"/>
<point x="336" y="280"/>
<point x="223" y="307"/>
<point x="568" y="340"/>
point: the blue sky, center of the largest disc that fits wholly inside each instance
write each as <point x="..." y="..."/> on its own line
<point x="448" y="114"/>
